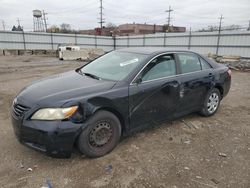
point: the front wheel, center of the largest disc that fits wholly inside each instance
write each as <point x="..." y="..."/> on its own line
<point x="211" y="103"/>
<point x="101" y="135"/>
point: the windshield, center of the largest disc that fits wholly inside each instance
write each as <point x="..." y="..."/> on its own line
<point x="114" y="65"/>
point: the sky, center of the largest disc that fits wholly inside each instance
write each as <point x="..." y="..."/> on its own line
<point x="84" y="14"/>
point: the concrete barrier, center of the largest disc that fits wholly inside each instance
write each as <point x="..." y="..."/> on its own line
<point x="8" y="52"/>
<point x="75" y="55"/>
<point x="82" y="54"/>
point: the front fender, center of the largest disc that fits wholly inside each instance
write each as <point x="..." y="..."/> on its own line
<point x="92" y="105"/>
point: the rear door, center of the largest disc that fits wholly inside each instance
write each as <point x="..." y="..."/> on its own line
<point x="196" y="77"/>
<point x="154" y="92"/>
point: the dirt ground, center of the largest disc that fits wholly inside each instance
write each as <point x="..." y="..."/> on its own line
<point x="190" y="152"/>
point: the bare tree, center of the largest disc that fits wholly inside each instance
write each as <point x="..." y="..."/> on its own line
<point x="232" y="27"/>
<point x="213" y="28"/>
<point x="54" y="29"/>
<point x="209" y="28"/>
<point x="111" y="25"/>
<point x="65" y="28"/>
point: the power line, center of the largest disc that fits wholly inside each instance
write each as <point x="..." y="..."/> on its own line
<point x="18" y="21"/>
<point x="169" y="18"/>
<point x="86" y="6"/>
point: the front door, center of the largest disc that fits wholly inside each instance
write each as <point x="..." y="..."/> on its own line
<point x="154" y="92"/>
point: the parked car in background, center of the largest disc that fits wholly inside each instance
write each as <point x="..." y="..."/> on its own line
<point x="118" y="93"/>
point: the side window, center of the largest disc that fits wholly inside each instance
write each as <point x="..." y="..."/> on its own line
<point x="159" y="67"/>
<point x="204" y="64"/>
<point x="189" y="62"/>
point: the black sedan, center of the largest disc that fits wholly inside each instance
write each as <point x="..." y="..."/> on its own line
<point x="118" y="93"/>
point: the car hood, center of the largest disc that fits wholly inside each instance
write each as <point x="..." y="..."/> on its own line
<point x="62" y="88"/>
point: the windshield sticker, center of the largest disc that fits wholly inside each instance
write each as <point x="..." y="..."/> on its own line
<point x="129" y="62"/>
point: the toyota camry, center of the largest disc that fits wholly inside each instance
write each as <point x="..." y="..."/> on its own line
<point x="121" y="92"/>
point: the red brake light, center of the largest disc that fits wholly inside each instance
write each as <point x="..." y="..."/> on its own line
<point x="229" y="72"/>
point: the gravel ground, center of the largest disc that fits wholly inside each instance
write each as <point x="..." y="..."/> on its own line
<point x="190" y="152"/>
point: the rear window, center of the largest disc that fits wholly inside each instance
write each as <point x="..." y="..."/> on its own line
<point x="189" y="62"/>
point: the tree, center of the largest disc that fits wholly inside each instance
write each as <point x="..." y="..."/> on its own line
<point x="209" y="28"/>
<point x="213" y="28"/>
<point x="167" y="28"/>
<point x="232" y="27"/>
<point x="65" y="28"/>
<point x="216" y="28"/>
<point x="18" y="28"/>
<point x="111" y="25"/>
<point x="54" y="29"/>
<point x="13" y="28"/>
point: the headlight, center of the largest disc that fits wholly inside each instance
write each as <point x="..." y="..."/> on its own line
<point x="54" y="113"/>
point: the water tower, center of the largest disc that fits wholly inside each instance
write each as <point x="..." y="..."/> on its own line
<point x="38" y="21"/>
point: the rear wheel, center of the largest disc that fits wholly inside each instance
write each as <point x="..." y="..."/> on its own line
<point x="211" y="103"/>
<point x="101" y="135"/>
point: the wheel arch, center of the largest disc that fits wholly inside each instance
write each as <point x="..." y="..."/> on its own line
<point x="116" y="113"/>
<point x="221" y="90"/>
<point x="112" y="110"/>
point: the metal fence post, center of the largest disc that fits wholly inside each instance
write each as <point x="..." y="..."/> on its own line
<point x="24" y="42"/>
<point x="75" y="38"/>
<point x="189" y="38"/>
<point x="95" y="41"/>
<point x="144" y="40"/>
<point x="164" y="40"/>
<point x="51" y="40"/>
<point x="114" y="39"/>
<point x="127" y="40"/>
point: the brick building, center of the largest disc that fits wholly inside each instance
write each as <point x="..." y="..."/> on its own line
<point x="132" y="29"/>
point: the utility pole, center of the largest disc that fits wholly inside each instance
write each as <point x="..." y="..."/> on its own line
<point x="221" y="18"/>
<point x="18" y="21"/>
<point x="101" y="16"/>
<point x="169" y="18"/>
<point x="189" y="38"/>
<point x="45" y="23"/>
<point x="3" y="23"/>
<point x="218" y="40"/>
<point x="19" y="24"/>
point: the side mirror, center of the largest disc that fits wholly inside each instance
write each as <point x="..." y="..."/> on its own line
<point x="138" y="80"/>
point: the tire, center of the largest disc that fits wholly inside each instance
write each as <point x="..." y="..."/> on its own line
<point x="101" y="135"/>
<point x="211" y="103"/>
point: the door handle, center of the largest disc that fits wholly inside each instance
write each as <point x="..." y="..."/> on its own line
<point x="175" y="85"/>
<point x="210" y="74"/>
<point x="182" y="92"/>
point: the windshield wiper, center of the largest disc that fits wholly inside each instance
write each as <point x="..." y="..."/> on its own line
<point x="91" y="75"/>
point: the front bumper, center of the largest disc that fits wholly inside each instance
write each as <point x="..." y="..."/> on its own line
<point x="55" y="138"/>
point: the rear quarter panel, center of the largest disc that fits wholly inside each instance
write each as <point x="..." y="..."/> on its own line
<point x="223" y="79"/>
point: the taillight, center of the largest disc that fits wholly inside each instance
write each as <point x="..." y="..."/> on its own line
<point x="229" y="72"/>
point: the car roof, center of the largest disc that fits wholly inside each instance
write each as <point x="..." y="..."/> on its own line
<point x="151" y="50"/>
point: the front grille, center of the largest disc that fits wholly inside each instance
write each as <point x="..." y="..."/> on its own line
<point x="19" y="109"/>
